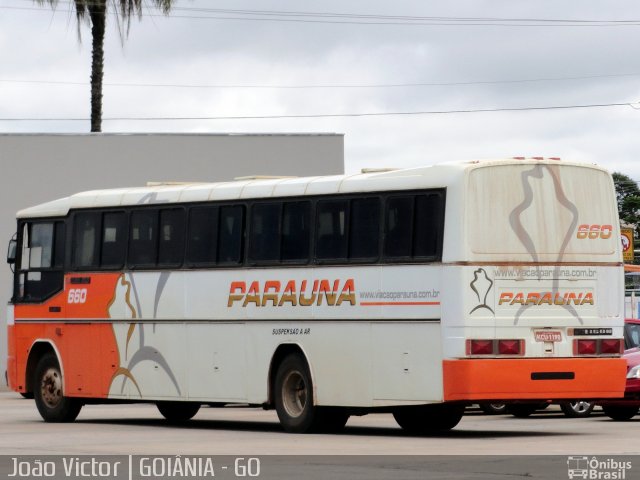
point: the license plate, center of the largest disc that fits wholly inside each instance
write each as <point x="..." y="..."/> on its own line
<point x="592" y="331"/>
<point x="548" y="336"/>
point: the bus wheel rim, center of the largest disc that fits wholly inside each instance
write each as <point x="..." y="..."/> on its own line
<point x="51" y="388"/>
<point x="294" y="394"/>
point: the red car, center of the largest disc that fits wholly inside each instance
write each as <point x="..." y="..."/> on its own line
<point x="628" y="408"/>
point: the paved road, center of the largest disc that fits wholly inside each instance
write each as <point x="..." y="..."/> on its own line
<point x="139" y="429"/>
<point x="370" y="448"/>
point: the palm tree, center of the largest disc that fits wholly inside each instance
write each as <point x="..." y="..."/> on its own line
<point x="94" y="13"/>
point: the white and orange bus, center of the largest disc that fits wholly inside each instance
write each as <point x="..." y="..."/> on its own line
<point x="412" y="291"/>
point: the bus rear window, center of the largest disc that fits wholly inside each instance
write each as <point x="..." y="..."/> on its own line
<point x="536" y="212"/>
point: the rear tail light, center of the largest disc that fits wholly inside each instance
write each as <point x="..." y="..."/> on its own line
<point x="495" y="347"/>
<point x="510" y="347"/>
<point x="599" y="346"/>
<point x="610" y="346"/>
<point x="586" y="347"/>
<point x="480" y="347"/>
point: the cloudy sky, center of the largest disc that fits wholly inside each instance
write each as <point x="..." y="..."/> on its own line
<point x="210" y="59"/>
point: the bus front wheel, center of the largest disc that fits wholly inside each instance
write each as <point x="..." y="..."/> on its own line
<point x="48" y="392"/>
<point x="429" y="418"/>
<point x="294" y="400"/>
<point x="178" y="412"/>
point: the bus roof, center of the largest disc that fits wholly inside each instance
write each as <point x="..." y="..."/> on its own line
<point x="434" y="176"/>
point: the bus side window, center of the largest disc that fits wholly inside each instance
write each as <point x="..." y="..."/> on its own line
<point x="364" y="232"/>
<point x="331" y="230"/>
<point x="86" y="238"/>
<point x="427" y="232"/>
<point x="230" y="234"/>
<point x="413" y="227"/>
<point x="398" y="227"/>
<point x="114" y="240"/>
<point x="143" y="238"/>
<point x="171" y="237"/>
<point x="202" y="236"/>
<point x="296" y="232"/>
<point x="264" y="241"/>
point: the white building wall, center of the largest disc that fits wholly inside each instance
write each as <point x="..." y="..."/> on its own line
<point x="36" y="168"/>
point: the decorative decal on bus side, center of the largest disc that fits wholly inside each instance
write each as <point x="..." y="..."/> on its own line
<point x="119" y="304"/>
<point x="271" y="293"/>
<point x="481" y="285"/>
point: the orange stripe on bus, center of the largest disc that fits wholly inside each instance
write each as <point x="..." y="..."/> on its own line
<point x="511" y="379"/>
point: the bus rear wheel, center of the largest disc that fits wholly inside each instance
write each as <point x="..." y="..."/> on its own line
<point x="48" y="391"/>
<point x="294" y="400"/>
<point x="429" y="418"/>
<point x="620" y="413"/>
<point x="178" y="412"/>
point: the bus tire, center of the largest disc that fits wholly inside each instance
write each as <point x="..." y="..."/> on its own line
<point x="294" y="397"/>
<point x="620" y="413"/>
<point x="331" y="419"/>
<point x="178" y="412"/>
<point x="429" y="418"/>
<point x="48" y="392"/>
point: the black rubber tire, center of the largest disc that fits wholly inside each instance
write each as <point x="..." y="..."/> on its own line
<point x="429" y="418"/>
<point x="331" y="419"/>
<point x="523" y="410"/>
<point x="293" y="396"/>
<point x="27" y="395"/>
<point x="619" y="413"/>
<point x="493" y="408"/>
<point x="579" y="409"/>
<point x="48" y="392"/>
<point x="178" y="412"/>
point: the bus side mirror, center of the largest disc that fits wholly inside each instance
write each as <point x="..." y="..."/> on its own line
<point x="11" y="251"/>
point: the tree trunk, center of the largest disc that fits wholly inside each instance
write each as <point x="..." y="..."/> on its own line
<point x="98" y="15"/>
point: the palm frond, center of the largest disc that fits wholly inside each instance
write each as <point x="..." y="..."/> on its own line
<point x="124" y="10"/>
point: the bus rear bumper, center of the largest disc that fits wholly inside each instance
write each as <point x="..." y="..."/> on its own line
<point x="534" y="379"/>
